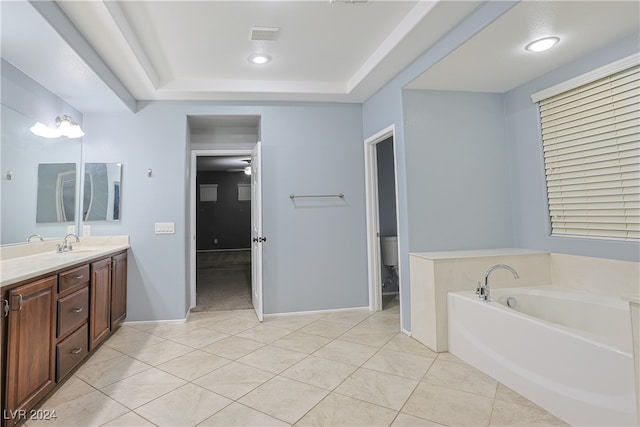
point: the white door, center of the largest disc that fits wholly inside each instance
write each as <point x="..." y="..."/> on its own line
<point x="257" y="238"/>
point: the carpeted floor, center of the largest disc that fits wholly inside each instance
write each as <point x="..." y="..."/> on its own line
<point x="223" y="280"/>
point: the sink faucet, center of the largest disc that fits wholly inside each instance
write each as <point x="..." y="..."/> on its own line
<point x="483" y="291"/>
<point x="66" y="246"/>
<point x="35" y="235"/>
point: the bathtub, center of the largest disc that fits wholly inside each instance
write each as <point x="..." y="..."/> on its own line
<point x="567" y="351"/>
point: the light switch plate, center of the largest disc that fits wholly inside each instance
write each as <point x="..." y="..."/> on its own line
<point x="165" y="227"/>
<point x="86" y="230"/>
<point x="71" y="229"/>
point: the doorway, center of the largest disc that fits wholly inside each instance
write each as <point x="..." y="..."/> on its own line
<point x="228" y="265"/>
<point x="223" y="233"/>
<point x="387" y="219"/>
<point x="382" y="220"/>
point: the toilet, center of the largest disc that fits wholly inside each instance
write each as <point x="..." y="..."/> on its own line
<point x="389" y="251"/>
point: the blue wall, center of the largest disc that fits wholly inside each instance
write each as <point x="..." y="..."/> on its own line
<point x="530" y="212"/>
<point x="26" y="102"/>
<point x="385" y="108"/>
<point x="469" y="175"/>
<point x="315" y="254"/>
<point x="470" y="168"/>
<point x="457" y="178"/>
<point x="25" y="95"/>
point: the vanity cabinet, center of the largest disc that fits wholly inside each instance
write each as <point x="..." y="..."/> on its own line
<point x="100" y="324"/>
<point x="73" y="311"/>
<point x="30" y="361"/>
<point x="118" y="290"/>
<point x="72" y="319"/>
<point x="52" y="324"/>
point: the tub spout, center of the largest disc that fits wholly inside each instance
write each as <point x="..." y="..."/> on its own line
<point x="484" y="291"/>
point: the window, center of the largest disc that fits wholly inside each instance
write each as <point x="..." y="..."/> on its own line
<point x="591" y="144"/>
<point x="208" y="192"/>
<point x="244" y="192"/>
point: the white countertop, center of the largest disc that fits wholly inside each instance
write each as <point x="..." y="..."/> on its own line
<point x="475" y="253"/>
<point x="26" y="261"/>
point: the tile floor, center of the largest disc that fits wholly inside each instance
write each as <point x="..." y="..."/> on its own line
<point x="350" y="368"/>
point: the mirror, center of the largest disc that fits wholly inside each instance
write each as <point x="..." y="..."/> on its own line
<point x="101" y="196"/>
<point x="21" y="152"/>
<point x="56" y="192"/>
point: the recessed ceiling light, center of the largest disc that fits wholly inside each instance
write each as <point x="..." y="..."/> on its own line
<point x="542" y="44"/>
<point x="259" y="58"/>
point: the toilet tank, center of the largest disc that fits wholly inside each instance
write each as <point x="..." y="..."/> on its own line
<point x="389" y="250"/>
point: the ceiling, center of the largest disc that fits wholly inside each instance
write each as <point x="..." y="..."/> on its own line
<point x="323" y="51"/>
<point x="495" y="59"/>
<point x="222" y="163"/>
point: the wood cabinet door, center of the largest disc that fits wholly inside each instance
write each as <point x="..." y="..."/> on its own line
<point x="118" y="289"/>
<point x="30" y="344"/>
<point x="4" y="313"/>
<point x="100" y="310"/>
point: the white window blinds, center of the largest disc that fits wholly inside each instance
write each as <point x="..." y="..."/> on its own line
<point x="591" y="140"/>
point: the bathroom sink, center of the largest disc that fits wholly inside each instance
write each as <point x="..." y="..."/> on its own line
<point x="83" y="250"/>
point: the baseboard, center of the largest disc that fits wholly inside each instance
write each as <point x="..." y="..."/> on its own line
<point x="149" y="322"/>
<point x="302" y="313"/>
<point x="404" y="331"/>
<point x="199" y="251"/>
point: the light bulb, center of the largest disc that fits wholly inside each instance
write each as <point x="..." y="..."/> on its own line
<point x="259" y="58"/>
<point x="542" y="44"/>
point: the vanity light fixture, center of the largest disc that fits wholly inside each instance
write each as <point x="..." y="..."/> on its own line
<point x="259" y="58"/>
<point x="543" y="44"/>
<point x="65" y="126"/>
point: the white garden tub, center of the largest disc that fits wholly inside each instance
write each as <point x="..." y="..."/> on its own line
<point x="567" y="351"/>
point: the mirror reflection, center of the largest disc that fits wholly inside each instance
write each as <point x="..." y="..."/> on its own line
<point x="21" y="153"/>
<point x="56" y="192"/>
<point x="101" y="196"/>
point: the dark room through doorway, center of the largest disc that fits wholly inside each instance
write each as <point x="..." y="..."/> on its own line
<point x="223" y="233"/>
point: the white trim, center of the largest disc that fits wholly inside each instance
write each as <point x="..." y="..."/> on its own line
<point x="151" y="322"/>
<point x="404" y="331"/>
<point x="589" y="77"/>
<point x="302" y="313"/>
<point x="374" y="260"/>
<point x="192" y="214"/>
<point x="408" y="24"/>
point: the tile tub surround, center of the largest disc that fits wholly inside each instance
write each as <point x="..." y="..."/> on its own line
<point x="435" y="274"/>
<point x="254" y="376"/>
<point x="599" y="276"/>
<point x="26" y="261"/>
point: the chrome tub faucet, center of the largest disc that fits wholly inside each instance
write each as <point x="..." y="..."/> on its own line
<point x="484" y="291"/>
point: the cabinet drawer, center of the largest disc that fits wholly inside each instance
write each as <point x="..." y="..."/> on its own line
<point x="73" y="310"/>
<point x="72" y="278"/>
<point x="71" y="351"/>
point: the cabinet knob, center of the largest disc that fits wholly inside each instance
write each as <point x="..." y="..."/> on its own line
<point x="81" y="276"/>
